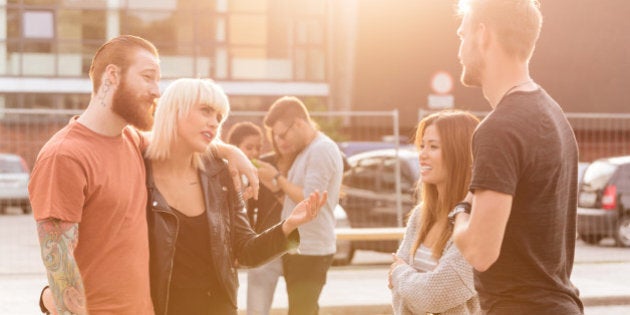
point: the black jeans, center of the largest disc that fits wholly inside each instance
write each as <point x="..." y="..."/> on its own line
<point x="305" y="277"/>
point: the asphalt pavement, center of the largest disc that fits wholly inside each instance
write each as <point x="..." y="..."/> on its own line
<point x="602" y="273"/>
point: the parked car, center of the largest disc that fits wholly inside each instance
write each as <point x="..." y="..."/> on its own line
<point x="604" y="201"/>
<point x="350" y="148"/>
<point x="345" y="251"/>
<point x="14" y="176"/>
<point x="581" y="169"/>
<point x="369" y="195"/>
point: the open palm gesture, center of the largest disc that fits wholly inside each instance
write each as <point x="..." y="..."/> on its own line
<point x="306" y="210"/>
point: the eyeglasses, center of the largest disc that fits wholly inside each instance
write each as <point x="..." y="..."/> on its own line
<point x="282" y="135"/>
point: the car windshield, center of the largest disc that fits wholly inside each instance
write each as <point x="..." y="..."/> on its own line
<point x="598" y="174"/>
<point x="10" y="167"/>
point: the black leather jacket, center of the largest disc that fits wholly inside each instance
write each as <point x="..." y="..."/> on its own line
<point x="231" y="236"/>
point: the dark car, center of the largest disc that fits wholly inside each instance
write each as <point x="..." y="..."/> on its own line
<point x="14" y="176"/>
<point x="369" y="192"/>
<point x="604" y="201"/>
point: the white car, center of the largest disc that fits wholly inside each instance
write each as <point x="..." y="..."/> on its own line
<point x="14" y="176"/>
<point x="345" y="251"/>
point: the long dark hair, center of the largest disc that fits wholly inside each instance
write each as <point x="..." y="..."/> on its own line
<point x="455" y="129"/>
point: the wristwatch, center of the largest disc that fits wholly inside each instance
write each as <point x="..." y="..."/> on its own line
<point x="459" y="208"/>
<point x="274" y="180"/>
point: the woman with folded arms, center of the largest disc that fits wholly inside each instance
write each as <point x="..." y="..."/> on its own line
<point x="429" y="275"/>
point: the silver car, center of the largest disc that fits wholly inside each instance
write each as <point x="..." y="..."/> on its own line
<point x="14" y="176"/>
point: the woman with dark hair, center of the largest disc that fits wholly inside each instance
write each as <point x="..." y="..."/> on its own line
<point x="248" y="137"/>
<point x="429" y="275"/>
<point x="263" y="213"/>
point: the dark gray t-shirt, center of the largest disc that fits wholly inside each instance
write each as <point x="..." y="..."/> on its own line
<point x="526" y="148"/>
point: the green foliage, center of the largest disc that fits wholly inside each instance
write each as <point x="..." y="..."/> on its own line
<point x="329" y="125"/>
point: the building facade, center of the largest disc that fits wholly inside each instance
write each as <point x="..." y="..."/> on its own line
<point x="256" y="49"/>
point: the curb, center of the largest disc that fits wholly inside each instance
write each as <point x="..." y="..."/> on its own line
<point x="386" y="309"/>
<point x="606" y="300"/>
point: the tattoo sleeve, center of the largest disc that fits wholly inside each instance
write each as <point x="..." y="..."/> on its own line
<point x="57" y="240"/>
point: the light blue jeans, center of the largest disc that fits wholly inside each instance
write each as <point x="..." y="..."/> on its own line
<point x="261" y="285"/>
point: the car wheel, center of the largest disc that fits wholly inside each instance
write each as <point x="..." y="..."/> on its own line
<point x="622" y="233"/>
<point x="591" y="239"/>
<point x="344" y="255"/>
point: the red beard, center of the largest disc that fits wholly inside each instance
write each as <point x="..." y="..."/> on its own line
<point x="135" y="110"/>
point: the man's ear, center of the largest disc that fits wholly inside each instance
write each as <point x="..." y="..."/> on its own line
<point x="111" y="75"/>
<point x="484" y="36"/>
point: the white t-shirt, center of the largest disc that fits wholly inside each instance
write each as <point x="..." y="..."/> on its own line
<point x="318" y="167"/>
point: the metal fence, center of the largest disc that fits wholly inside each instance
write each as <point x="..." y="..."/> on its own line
<point x="23" y="132"/>
<point x="379" y="190"/>
<point x="599" y="135"/>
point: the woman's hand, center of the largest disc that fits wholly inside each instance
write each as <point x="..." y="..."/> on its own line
<point x="238" y="164"/>
<point x="266" y="173"/>
<point x="304" y="212"/>
<point x="397" y="262"/>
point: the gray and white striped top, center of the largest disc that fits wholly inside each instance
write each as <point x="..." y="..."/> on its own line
<point x="446" y="287"/>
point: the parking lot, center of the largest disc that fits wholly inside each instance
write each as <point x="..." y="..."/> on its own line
<point x="602" y="274"/>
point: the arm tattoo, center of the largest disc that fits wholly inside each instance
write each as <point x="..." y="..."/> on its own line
<point x="57" y="240"/>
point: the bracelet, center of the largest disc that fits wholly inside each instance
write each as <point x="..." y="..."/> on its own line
<point x="42" y="307"/>
<point x="274" y="180"/>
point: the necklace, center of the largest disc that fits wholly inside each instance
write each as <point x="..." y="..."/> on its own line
<point x="510" y="90"/>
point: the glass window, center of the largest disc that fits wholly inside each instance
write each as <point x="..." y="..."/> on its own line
<point x="81" y="25"/>
<point x="69" y="59"/>
<point x="88" y="49"/>
<point x="156" y="26"/>
<point x="247" y="5"/>
<point x="316" y="65"/>
<point x="252" y="63"/>
<point x="153" y="4"/>
<point x="310" y="32"/>
<point x="38" y="24"/>
<point x="309" y="7"/>
<point x="300" y="60"/>
<point x="14" y="31"/>
<point x="279" y="29"/>
<point x="247" y="29"/>
<point x="41" y="2"/>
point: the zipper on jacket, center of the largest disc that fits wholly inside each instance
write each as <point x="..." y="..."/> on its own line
<point x="170" y="269"/>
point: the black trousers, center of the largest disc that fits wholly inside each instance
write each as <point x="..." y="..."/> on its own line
<point x="305" y="277"/>
<point x="198" y="302"/>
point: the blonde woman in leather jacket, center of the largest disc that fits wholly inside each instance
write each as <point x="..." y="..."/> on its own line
<point x="198" y="226"/>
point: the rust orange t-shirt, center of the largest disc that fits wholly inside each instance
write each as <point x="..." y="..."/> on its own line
<point x="99" y="182"/>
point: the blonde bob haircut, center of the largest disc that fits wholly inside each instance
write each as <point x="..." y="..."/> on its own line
<point x="179" y="98"/>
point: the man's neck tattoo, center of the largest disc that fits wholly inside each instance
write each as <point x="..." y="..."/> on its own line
<point x="104" y="91"/>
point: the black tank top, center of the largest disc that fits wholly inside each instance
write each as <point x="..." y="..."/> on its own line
<point x="193" y="266"/>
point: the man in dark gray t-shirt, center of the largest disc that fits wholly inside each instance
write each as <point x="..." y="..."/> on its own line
<point x="517" y="227"/>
